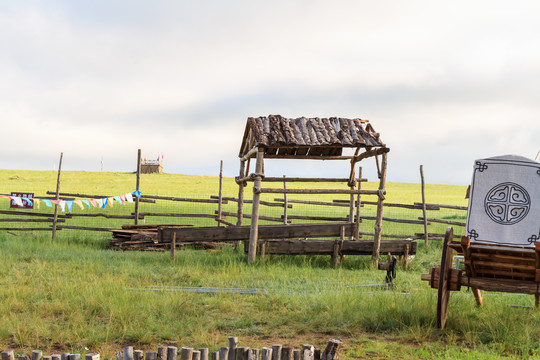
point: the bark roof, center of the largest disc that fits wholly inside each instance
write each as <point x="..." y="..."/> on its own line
<point x="325" y="136"/>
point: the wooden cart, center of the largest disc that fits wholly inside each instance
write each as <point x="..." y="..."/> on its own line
<point x="502" y="246"/>
<point x="488" y="267"/>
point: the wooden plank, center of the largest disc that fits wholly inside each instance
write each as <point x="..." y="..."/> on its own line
<point x="501" y="285"/>
<point x="387" y="204"/>
<point x="172" y="198"/>
<point x="442" y="206"/>
<point x="178" y="215"/>
<point x="306" y="157"/>
<point x="315" y="202"/>
<point x="315" y="180"/>
<point x="401" y="221"/>
<point x="32" y="220"/>
<point x="83" y="228"/>
<point x="27" y="229"/>
<point x="248" y="216"/>
<point x="326" y="247"/>
<point x="107" y="216"/>
<point x="267" y="203"/>
<point x="439" y="221"/>
<point x="503" y="274"/>
<point x="29" y="213"/>
<point x="496" y="258"/>
<point x="502" y="265"/>
<point x="238" y="233"/>
<point x="317" y="191"/>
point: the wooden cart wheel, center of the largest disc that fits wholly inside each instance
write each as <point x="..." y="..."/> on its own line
<point x="444" y="280"/>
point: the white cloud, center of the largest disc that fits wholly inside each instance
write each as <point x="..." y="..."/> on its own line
<point x="173" y="77"/>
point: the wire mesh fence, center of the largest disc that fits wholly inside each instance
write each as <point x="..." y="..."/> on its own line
<point x="99" y="202"/>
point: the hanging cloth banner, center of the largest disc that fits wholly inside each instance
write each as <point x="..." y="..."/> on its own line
<point x="101" y="203"/>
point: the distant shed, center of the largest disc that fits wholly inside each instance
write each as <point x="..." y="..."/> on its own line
<point x="276" y="137"/>
<point x="151" y="167"/>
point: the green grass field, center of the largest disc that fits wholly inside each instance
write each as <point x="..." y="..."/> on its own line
<point x="73" y="294"/>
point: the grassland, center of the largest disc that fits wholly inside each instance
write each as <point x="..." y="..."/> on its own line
<point x="73" y="294"/>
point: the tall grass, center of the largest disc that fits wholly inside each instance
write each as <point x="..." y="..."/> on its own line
<point x="73" y="294"/>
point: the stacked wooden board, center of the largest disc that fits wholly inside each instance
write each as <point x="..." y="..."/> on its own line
<point x="145" y="238"/>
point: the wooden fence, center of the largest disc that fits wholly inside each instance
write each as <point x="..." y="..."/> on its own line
<point x="45" y="221"/>
<point x="231" y="352"/>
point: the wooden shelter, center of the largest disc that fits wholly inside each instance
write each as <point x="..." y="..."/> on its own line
<point x="276" y="137"/>
<point x="151" y="167"/>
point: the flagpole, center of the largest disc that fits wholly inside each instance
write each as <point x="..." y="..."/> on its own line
<point x="55" y="220"/>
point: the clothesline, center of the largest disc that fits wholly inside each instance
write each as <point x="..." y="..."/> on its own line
<point x="97" y="203"/>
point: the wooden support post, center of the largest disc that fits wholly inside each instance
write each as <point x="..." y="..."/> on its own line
<point x="8" y="355"/>
<point x="380" y="207"/>
<point x="287" y="353"/>
<point x="186" y="353"/>
<point x="57" y="196"/>
<point x="286" y="203"/>
<point x="308" y="352"/>
<point x="426" y="239"/>
<point x="351" y="209"/>
<point x="358" y="205"/>
<point x="162" y="353"/>
<point x="276" y="351"/>
<point x="469" y="267"/>
<point x="223" y="353"/>
<point x="254" y="231"/>
<point x="173" y="247"/>
<point x="220" y="195"/>
<point x="172" y="353"/>
<point x="337" y="248"/>
<point x="241" y="195"/>
<point x="233" y="344"/>
<point x="266" y="353"/>
<point x="128" y="353"/>
<point x="137" y="186"/>
<point x="331" y="351"/>
<point x="242" y="353"/>
<point x="204" y="353"/>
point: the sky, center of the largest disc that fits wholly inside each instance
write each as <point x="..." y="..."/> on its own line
<point x="444" y="83"/>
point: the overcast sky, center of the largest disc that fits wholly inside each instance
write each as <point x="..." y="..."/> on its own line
<point x="444" y="83"/>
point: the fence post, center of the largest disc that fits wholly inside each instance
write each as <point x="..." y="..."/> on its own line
<point x="285" y="202"/>
<point x="137" y="186"/>
<point x="351" y="209"/>
<point x="358" y="204"/>
<point x="57" y="196"/>
<point x="254" y="229"/>
<point x="380" y="207"/>
<point x="426" y="238"/>
<point x="220" y="191"/>
<point x="240" y="211"/>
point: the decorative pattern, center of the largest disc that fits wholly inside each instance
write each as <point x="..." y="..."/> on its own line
<point x="504" y="203"/>
<point x="481" y="166"/>
<point x="507" y="203"/>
